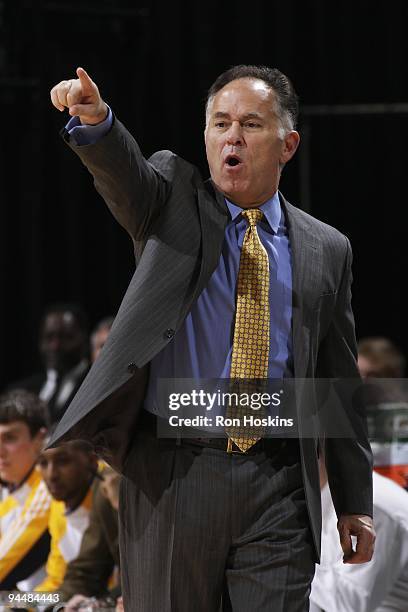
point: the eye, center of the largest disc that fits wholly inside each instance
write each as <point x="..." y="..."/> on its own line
<point x="10" y="437"/>
<point x="252" y="124"/>
<point x="62" y="461"/>
<point x="220" y="124"/>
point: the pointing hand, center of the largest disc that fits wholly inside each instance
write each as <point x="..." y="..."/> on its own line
<point x="81" y="97"/>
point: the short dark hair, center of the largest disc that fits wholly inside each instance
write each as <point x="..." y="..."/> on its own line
<point x="75" y="445"/>
<point x="20" y="405"/>
<point x="286" y="97"/>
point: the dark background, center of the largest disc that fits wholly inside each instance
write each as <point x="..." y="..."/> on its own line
<point x="153" y="62"/>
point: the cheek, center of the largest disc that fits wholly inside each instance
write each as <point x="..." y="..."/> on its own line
<point x="21" y="449"/>
<point x="20" y="455"/>
<point x="214" y="148"/>
<point x="76" y="475"/>
<point x="266" y="161"/>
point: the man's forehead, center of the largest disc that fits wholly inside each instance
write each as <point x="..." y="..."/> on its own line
<point x="60" y="319"/>
<point x="13" y="427"/>
<point x="51" y="453"/>
<point x="246" y="86"/>
<point x="252" y="95"/>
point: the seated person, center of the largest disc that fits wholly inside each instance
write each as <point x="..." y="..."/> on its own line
<point x="63" y="347"/>
<point x="88" y="575"/>
<point x="68" y="472"/>
<point x="380" y="358"/>
<point x="99" y="336"/>
<point x="382" y="365"/>
<point x="24" y="498"/>
<point x="378" y="586"/>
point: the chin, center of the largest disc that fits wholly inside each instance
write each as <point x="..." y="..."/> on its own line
<point x="57" y="496"/>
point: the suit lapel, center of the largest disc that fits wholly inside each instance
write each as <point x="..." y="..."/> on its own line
<point x="306" y="252"/>
<point x="214" y="217"/>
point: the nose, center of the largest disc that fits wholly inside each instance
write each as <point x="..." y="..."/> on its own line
<point x="51" y="473"/>
<point x="54" y="345"/>
<point x="234" y="134"/>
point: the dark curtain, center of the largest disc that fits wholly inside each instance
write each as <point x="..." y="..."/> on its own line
<point x="153" y="62"/>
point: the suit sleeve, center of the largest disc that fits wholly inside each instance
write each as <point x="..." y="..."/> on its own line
<point x="133" y="188"/>
<point x="348" y="460"/>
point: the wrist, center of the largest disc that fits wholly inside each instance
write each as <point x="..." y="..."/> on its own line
<point x="96" y="119"/>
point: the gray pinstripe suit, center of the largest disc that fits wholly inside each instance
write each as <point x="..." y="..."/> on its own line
<point x="177" y="224"/>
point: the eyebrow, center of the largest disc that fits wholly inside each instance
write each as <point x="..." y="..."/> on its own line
<point x="13" y="429"/>
<point x="221" y="115"/>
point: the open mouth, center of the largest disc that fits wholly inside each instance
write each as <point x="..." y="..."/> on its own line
<point x="233" y="160"/>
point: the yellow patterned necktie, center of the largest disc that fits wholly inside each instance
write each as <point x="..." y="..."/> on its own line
<point x="250" y="349"/>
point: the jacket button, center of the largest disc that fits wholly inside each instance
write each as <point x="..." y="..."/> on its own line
<point x="132" y="367"/>
<point x="169" y="333"/>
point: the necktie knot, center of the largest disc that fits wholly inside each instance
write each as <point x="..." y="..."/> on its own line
<point x="253" y="216"/>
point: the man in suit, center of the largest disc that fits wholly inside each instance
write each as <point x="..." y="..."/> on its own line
<point x="63" y="347"/>
<point x="199" y="515"/>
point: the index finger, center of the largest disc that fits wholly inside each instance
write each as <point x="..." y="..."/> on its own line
<point x="85" y="79"/>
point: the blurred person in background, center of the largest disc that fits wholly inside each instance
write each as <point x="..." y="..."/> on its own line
<point x="380" y="358"/>
<point x="378" y="586"/>
<point x="91" y="574"/>
<point x="99" y="336"/>
<point x="382" y="366"/>
<point x="63" y="347"/>
<point x="68" y="472"/>
<point x="24" y="499"/>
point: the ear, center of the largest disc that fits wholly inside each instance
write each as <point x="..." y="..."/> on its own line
<point x="94" y="461"/>
<point x="39" y="438"/>
<point x="289" y="146"/>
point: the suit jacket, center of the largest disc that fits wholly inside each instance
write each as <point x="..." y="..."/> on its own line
<point x="177" y="224"/>
<point x="36" y="382"/>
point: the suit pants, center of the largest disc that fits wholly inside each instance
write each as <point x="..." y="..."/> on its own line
<point x="196" y="522"/>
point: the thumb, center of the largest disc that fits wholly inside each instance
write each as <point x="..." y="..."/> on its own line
<point x="88" y="86"/>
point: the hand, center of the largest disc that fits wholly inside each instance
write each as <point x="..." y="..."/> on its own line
<point x="110" y="486"/>
<point x="82" y="98"/>
<point x="74" y="602"/>
<point x="119" y="605"/>
<point x="361" y="526"/>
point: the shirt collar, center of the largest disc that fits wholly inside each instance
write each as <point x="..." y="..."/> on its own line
<point x="271" y="210"/>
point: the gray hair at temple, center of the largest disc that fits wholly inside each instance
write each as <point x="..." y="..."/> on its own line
<point x="287" y="106"/>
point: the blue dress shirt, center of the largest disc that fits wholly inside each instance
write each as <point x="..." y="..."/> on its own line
<point x="202" y="347"/>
